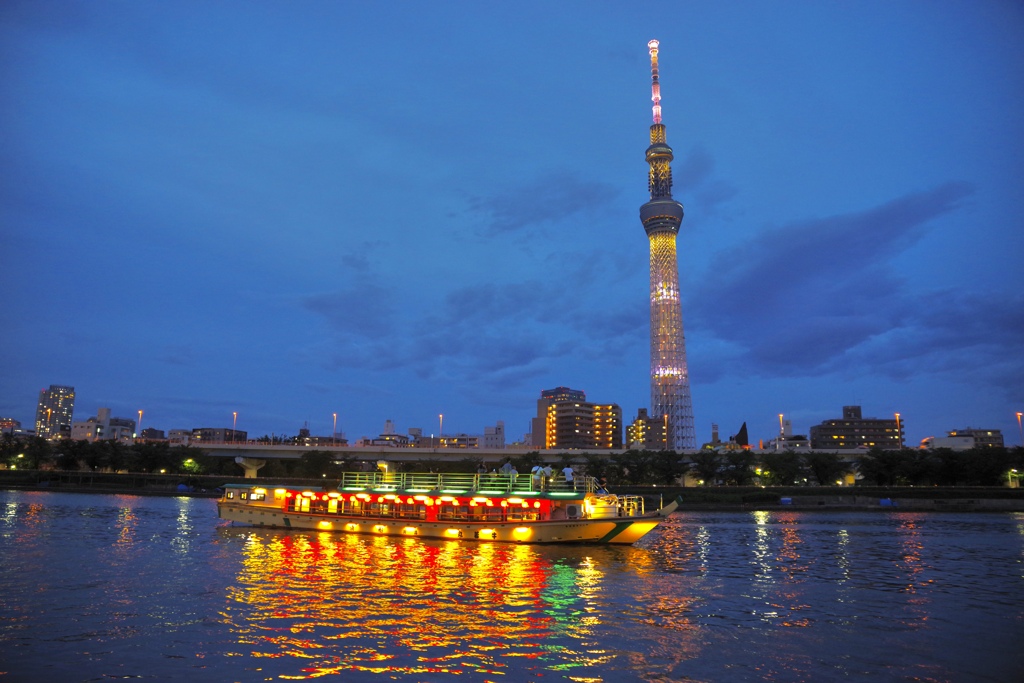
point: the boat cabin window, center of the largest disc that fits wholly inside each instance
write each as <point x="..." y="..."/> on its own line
<point x="256" y="496"/>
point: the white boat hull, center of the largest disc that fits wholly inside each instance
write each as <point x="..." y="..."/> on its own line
<point x="614" y="530"/>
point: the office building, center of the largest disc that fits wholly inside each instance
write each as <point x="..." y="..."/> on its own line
<point x="787" y="440"/>
<point x="103" y="427"/>
<point x="494" y="437"/>
<point x="983" y="438"/>
<point x="203" y="435"/>
<point x="152" y="434"/>
<point x="965" y="439"/>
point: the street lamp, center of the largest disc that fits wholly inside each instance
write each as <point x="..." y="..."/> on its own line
<point x="1020" y="429"/>
<point x="234" y="423"/>
<point x="440" y="427"/>
<point x="782" y="434"/>
<point x="334" y="430"/>
<point x="899" y="431"/>
<point x="139" y="426"/>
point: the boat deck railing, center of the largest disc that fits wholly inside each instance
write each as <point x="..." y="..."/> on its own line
<point x="462" y="483"/>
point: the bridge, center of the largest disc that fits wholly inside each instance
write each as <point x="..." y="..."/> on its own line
<point x="251" y="456"/>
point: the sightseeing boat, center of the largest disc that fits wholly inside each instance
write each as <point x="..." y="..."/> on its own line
<point x="476" y="507"/>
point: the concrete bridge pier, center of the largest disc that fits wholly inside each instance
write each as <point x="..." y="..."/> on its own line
<point x="250" y="465"/>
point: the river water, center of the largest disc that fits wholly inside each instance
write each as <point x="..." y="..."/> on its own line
<point x="98" y="587"/>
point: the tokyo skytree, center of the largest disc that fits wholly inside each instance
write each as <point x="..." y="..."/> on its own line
<point x="661" y="216"/>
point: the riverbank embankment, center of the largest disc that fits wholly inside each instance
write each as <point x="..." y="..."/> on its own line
<point x="725" y="498"/>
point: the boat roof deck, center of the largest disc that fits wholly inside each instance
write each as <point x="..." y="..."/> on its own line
<point x="449" y="483"/>
<point x="459" y="483"/>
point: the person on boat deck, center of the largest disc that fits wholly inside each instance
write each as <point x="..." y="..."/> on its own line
<point x="602" y="485"/>
<point x="545" y="476"/>
<point x="535" y="476"/>
<point x="507" y="467"/>
<point x="568" y="474"/>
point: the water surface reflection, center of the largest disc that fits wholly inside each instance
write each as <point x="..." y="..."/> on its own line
<point x="336" y="603"/>
<point x="99" y="587"/>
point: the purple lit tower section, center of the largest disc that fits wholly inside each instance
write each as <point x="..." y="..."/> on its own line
<point x="670" y="380"/>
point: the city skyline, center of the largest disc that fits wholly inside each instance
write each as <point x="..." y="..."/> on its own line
<point x="291" y="214"/>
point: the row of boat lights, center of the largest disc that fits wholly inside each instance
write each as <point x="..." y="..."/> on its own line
<point x="426" y="500"/>
<point x="519" y="532"/>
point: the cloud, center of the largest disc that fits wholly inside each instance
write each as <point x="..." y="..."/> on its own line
<point x="359" y="257"/>
<point x="178" y="354"/>
<point x="693" y="177"/>
<point x="581" y="269"/>
<point x="486" y="334"/>
<point x="548" y="199"/>
<point x="812" y="296"/>
<point x="975" y="336"/>
<point x="695" y="167"/>
<point x="716" y="193"/>
<point x="368" y="308"/>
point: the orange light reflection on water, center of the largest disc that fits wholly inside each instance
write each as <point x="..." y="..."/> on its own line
<point x="780" y="568"/>
<point x="665" y="601"/>
<point x="912" y="566"/>
<point x="348" y="602"/>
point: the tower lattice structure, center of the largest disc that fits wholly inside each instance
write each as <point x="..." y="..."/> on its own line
<point x="661" y="217"/>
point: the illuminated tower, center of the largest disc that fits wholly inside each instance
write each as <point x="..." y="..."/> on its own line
<point x="670" y="381"/>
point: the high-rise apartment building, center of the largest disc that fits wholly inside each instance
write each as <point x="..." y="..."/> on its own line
<point x="581" y="425"/>
<point x="855" y="431"/>
<point x="538" y="425"/>
<point x="54" y="412"/>
<point x="661" y="218"/>
<point x="647" y="432"/>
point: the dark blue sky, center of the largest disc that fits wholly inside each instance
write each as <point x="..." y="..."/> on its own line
<point x="396" y="211"/>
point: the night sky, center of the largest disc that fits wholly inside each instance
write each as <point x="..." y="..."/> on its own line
<point x="400" y="210"/>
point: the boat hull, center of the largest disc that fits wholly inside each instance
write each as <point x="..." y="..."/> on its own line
<point x="612" y="530"/>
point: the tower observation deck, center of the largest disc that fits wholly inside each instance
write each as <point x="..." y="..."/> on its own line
<point x="661" y="217"/>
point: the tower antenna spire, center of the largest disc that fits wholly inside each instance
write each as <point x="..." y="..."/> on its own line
<point x="652" y="47"/>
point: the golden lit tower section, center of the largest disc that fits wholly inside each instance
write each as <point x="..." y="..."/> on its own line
<point x="670" y="381"/>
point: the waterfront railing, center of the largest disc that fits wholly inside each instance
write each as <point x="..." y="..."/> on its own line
<point x="460" y="483"/>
